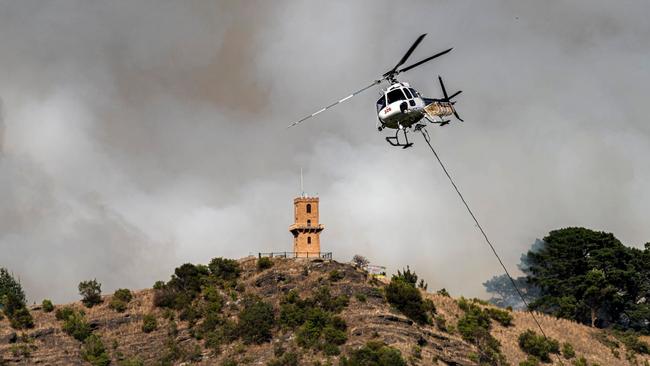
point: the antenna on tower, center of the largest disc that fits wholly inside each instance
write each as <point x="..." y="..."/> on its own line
<point x="302" y="188"/>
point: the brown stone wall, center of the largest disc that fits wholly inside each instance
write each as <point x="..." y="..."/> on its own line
<point x="302" y="218"/>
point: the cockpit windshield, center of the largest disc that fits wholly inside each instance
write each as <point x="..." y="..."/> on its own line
<point x="395" y="95"/>
<point x="381" y="103"/>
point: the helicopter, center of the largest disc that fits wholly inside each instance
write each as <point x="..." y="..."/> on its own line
<point x="400" y="106"/>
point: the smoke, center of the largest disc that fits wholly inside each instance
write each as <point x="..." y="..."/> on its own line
<point x="143" y="135"/>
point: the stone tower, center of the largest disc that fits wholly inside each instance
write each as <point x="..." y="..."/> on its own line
<point x="306" y="229"/>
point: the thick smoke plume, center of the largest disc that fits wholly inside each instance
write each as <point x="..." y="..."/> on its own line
<point x="140" y="135"/>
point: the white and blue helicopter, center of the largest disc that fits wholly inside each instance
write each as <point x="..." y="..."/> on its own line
<point x="401" y="107"/>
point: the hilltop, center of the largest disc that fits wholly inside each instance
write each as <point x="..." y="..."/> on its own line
<point x="210" y="328"/>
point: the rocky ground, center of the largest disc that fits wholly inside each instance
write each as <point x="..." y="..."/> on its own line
<point x="368" y="317"/>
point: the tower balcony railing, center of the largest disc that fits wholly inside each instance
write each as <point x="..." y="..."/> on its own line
<point x="321" y="255"/>
<point x="306" y="227"/>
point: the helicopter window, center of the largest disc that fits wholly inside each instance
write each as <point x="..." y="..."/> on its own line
<point x="408" y="93"/>
<point x="381" y="103"/>
<point x="395" y="95"/>
<point x="415" y="94"/>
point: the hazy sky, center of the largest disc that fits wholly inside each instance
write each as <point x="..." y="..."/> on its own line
<point x="138" y="135"/>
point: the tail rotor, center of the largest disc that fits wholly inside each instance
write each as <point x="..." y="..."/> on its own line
<point x="448" y="98"/>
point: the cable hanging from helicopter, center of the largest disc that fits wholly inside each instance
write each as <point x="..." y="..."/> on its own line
<point x="401" y="107"/>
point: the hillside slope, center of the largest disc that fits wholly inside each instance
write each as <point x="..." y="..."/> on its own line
<point x="368" y="317"/>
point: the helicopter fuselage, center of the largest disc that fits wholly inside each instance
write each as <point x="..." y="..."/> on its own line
<point x="400" y="107"/>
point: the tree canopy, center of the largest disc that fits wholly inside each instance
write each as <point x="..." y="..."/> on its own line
<point x="590" y="277"/>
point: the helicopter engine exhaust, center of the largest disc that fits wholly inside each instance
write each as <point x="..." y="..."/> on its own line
<point x="439" y="109"/>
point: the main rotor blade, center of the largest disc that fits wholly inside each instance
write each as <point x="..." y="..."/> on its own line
<point x="442" y="85"/>
<point x="423" y="61"/>
<point x="337" y="102"/>
<point x="408" y="53"/>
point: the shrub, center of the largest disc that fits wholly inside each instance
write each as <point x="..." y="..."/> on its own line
<point x="323" y="298"/>
<point x="133" y="361"/>
<point x="336" y="275"/>
<point x="14" y="307"/>
<point x="287" y="359"/>
<point x="503" y="317"/>
<point x="264" y="263"/>
<point x="474" y="327"/>
<point x="322" y="331"/>
<point x="530" y="361"/>
<point x="441" y="323"/>
<point x="94" y="352"/>
<point x="374" y="353"/>
<point x="149" y="323"/>
<point x="443" y="292"/>
<point x="117" y="305"/>
<point x="21" y="319"/>
<point x="123" y="294"/>
<point x="225" y="269"/>
<point x="632" y="342"/>
<point x="76" y="326"/>
<point x="47" y="306"/>
<point x="537" y="345"/>
<point x="256" y="321"/>
<point x="407" y="299"/>
<point x="91" y="292"/>
<point x="10" y="287"/>
<point x="159" y="285"/>
<point x="63" y="313"/>
<point x="567" y="351"/>
<point x="361" y="297"/>
<point x="359" y="261"/>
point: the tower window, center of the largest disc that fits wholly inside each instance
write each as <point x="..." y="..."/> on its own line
<point x="308" y="222"/>
<point x="309" y="208"/>
<point x="309" y="240"/>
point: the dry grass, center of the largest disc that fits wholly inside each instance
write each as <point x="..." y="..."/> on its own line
<point x="372" y="319"/>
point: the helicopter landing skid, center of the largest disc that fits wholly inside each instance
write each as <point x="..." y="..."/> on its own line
<point x="394" y="141"/>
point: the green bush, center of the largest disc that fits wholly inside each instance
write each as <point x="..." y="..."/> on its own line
<point x="225" y="269"/>
<point x="91" y="293"/>
<point x="530" y="361"/>
<point x="21" y="319"/>
<point x="47" y="306"/>
<point x="149" y="323"/>
<point x="407" y="299"/>
<point x="94" y="352"/>
<point x="567" y="351"/>
<point x="537" y="345"/>
<point x="63" y="313"/>
<point x="322" y="331"/>
<point x="361" y="297"/>
<point x="287" y="359"/>
<point x="336" y="275"/>
<point x="503" y="317"/>
<point x="75" y="325"/>
<point x="256" y="320"/>
<point x="375" y="354"/>
<point x="133" y="361"/>
<point x="124" y="295"/>
<point x="15" y="309"/>
<point x="117" y="305"/>
<point x="443" y="292"/>
<point x="474" y="327"/>
<point x="10" y="287"/>
<point x="264" y="263"/>
<point x="632" y="342"/>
